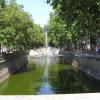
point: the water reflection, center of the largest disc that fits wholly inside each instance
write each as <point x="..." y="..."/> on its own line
<point x="67" y="81"/>
<point x="45" y="61"/>
<point x="46" y="87"/>
<point x="3" y="86"/>
<point x="49" y="75"/>
<point x="64" y="79"/>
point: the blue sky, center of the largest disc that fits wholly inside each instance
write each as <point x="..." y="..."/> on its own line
<point x="38" y="9"/>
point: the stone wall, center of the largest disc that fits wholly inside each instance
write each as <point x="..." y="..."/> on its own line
<point x="12" y="65"/>
<point x="88" y="64"/>
<point x="68" y="57"/>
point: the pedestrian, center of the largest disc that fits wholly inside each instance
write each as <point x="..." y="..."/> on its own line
<point x="97" y="50"/>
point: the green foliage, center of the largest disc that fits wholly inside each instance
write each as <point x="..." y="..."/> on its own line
<point x="17" y="29"/>
<point x="2" y="3"/>
<point x="57" y="31"/>
<point x="82" y="17"/>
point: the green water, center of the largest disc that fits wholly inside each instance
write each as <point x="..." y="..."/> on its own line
<point x="26" y="82"/>
<point x="48" y="76"/>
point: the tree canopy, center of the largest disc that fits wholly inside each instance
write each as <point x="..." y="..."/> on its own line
<point x="17" y="28"/>
<point x="82" y="18"/>
<point x="57" y="32"/>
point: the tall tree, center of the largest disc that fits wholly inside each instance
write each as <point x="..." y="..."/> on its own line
<point x="17" y="28"/>
<point x="85" y="13"/>
<point x="2" y="6"/>
<point x="2" y="3"/>
<point x="58" y="35"/>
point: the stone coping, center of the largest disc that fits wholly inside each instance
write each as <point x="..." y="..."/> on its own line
<point x="81" y="96"/>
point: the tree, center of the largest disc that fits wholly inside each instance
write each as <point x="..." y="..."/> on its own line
<point x="2" y="6"/>
<point x="2" y="3"/>
<point x="17" y="28"/>
<point x="58" y="35"/>
<point x="83" y="14"/>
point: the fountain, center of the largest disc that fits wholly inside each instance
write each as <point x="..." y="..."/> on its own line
<point x="46" y="40"/>
<point x="46" y="88"/>
<point x="45" y="51"/>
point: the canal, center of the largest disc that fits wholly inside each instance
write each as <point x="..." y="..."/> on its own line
<point x="49" y="75"/>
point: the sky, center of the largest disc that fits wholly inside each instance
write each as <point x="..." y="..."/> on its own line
<point x="39" y="10"/>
